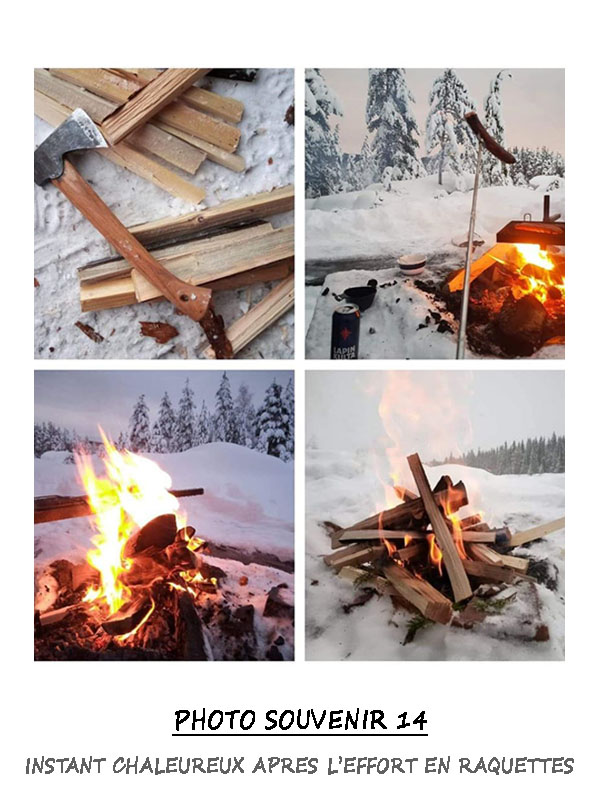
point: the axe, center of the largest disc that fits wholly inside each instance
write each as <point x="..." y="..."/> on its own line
<point x="492" y="146"/>
<point x="79" y="132"/>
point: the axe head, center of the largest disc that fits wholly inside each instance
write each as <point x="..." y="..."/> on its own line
<point x="77" y="132"/>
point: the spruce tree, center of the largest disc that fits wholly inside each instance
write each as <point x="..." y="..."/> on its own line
<point x="494" y="171"/>
<point x="139" y="427"/>
<point x="272" y="429"/>
<point x="245" y="416"/>
<point x="322" y="162"/>
<point x="165" y="427"/>
<point x="288" y="402"/>
<point x="203" y="426"/>
<point x="446" y="130"/>
<point x="224" y="421"/>
<point x="390" y="117"/>
<point x="186" y="419"/>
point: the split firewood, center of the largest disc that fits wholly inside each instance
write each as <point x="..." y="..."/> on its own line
<point x="260" y="317"/>
<point x="482" y="552"/>
<point x="412" y="511"/>
<point x="490" y="572"/>
<point x="538" y="532"/>
<point x="56" y="615"/>
<point x="360" y="554"/>
<point x="431" y="603"/>
<point x="452" y="561"/>
<point x="500" y="536"/>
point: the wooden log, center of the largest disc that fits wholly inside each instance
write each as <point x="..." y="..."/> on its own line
<point x="175" y="151"/>
<point x="277" y="271"/>
<point x="201" y="126"/>
<point x="489" y="572"/>
<point x="260" y="317"/>
<point x="431" y="603"/>
<point x="405" y="514"/>
<point x="191" y="636"/>
<point x="228" y="108"/>
<point x="521" y="325"/>
<point x="520" y="565"/>
<point x="129" y="616"/>
<point x="364" y="579"/>
<point x="128" y="157"/>
<point x="148" y="102"/>
<point x="49" y="508"/>
<point x="531" y="534"/>
<point x="500" y="536"/>
<point x="245" y="209"/>
<point x="468" y="522"/>
<point x="461" y="588"/>
<point x="213" y="152"/>
<point x="481" y="552"/>
<point x="353" y="555"/>
<point x="56" y="615"/>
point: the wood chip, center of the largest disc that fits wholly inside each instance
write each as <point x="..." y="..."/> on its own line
<point x="161" y="331"/>
<point x="89" y="332"/>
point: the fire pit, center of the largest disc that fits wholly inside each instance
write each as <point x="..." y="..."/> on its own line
<point x="147" y="591"/>
<point x="441" y="568"/>
<point x="517" y="297"/>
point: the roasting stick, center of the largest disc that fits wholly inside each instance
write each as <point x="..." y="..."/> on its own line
<point x="484" y="140"/>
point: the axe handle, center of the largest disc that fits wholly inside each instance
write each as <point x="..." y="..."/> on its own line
<point x="189" y="299"/>
<point x="489" y="143"/>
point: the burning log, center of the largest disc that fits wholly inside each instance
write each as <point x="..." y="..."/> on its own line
<point x="489" y="572"/>
<point x="190" y="634"/>
<point x="481" y="552"/>
<point x="129" y="616"/>
<point x="360" y="554"/>
<point x="51" y="508"/>
<point x="412" y="513"/>
<point x="160" y="532"/>
<point x="500" y="536"/>
<point x="431" y="603"/>
<point x="521" y="325"/>
<point x="461" y="587"/>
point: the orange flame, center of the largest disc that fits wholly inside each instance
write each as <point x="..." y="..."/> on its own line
<point x="435" y="554"/>
<point x="134" y="491"/>
<point x="538" y="284"/>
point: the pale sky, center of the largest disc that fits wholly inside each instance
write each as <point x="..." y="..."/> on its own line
<point x="82" y="399"/>
<point x="432" y="412"/>
<point x="533" y="103"/>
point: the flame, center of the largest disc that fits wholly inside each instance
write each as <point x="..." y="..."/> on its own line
<point x="435" y="554"/>
<point x="538" y="284"/>
<point x="134" y="491"/>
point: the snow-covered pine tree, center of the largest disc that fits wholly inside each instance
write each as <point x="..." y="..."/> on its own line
<point x="389" y="115"/>
<point x="245" y="415"/>
<point x="139" y="427"/>
<point x="185" y="420"/>
<point x="495" y="172"/>
<point x="165" y="427"/>
<point x="272" y="429"/>
<point x="322" y="152"/>
<point x="224" y="421"/>
<point x="203" y="426"/>
<point x="122" y="443"/>
<point x="446" y="131"/>
<point x="288" y="402"/>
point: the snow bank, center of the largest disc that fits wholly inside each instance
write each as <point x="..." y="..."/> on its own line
<point x="248" y="500"/>
<point x="351" y="492"/>
<point x="65" y="241"/>
<point x="417" y="216"/>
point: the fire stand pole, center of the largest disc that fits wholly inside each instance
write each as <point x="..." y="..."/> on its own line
<point x="464" y="305"/>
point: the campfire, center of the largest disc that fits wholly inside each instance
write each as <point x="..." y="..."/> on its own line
<point x="440" y="567"/>
<point x="145" y="591"/>
<point x="517" y="297"/>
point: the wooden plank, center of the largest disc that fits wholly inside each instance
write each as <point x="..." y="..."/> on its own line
<point x="260" y="317"/>
<point x="125" y="156"/>
<point x="148" y="102"/>
<point x="498" y="253"/>
<point x="461" y="588"/>
<point x="499" y="536"/>
<point x="155" y="141"/>
<point x="272" y="272"/>
<point x="481" y="552"/>
<point x="353" y="555"/>
<point x="431" y="603"/>
<point x="120" y="267"/>
<point x="239" y="257"/>
<point x="108" y="84"/>
<point x="489" y="572"/>
<point x="518" y="564"/>
<point x="196" y="123"/>
<point x="538" y="532"/>
<point x="228" y="108"/>
<point x="377" y="582"/>
<point x="71" y="96"/>
<point x="245" y="209"/>
<point x="213" y="152"/>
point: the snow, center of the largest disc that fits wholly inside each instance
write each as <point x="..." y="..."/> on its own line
<point x="248" y="500"/>
<point x="65" y="241"/>
<point x="343" y="488"/>
<point x="347" y="244"/>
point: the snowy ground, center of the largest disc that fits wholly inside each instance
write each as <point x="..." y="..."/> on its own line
<point x="356" y="236"/>
<point x="342" y="488"/>
<point x="248" y="503"/>
<point x="65" y="241"/>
